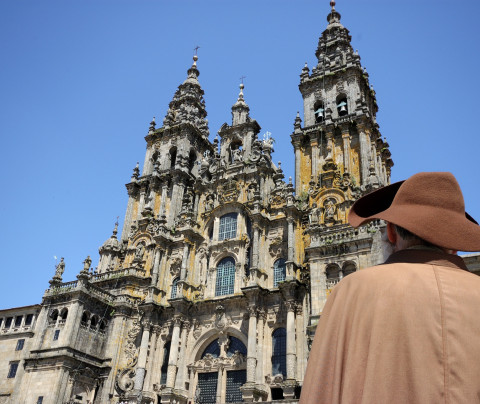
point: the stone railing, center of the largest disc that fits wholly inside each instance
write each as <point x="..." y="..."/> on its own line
<point x="118" y="274"/>
<point x="100" y="293"/>
<point x="62" y="288"/>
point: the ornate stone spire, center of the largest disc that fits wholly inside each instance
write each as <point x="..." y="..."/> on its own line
<point x="334" y="17"/>
<point x="240" y="110"/>
<point x="188" y="105"/>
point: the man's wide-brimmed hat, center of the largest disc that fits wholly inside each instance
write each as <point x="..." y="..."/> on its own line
<point x="429" y="205"/>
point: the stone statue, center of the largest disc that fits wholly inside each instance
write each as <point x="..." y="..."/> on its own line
<point x="313" y="216"/>
<point x="330" y="209"/>
<point x="209" y="203"/>
<point x="60" y="268"/>
<point x="139" y="252"/>
<point x="250" y="192"/>
<point x="87" y="263"/>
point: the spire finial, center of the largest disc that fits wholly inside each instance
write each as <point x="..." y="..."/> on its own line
<point x="115" y="230"/>
<point x="242" y="86"/>
<point x="332" y="4"/>
<point x="195" y="57"/>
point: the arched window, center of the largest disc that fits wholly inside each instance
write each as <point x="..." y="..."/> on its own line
<point x="348" y="268"/>
<point x="235" y="345"/>
<point x="192" y="158"/>
<point x="225" y="277"/>
<point x="53" y="316"/>
<point x="319" y="111"/>
<point x="64" y="314"/>
<point x="85" y="317"/>
<point x="93" y="323"/>
<point x="174" y="292"/>
<point x="164" y="368"/>
<point x="279" y="272"/>
<point x="279" y="352"/>
<point x="342" y="106"/>
<point x="173" y="157"/>
<point x="228" y="226"/>
<point x="213" y="349"/>
<point x="332" y="271"/>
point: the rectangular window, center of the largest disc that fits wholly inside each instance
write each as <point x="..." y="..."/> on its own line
<point x="207" y="384"/>
<point x="235" y="379"/>
<point x="13" y="370"/>
<point x="8" y="322"/>
<point x="228" y="226"/>
<point x="40" y="400"/>
<point x="28" y="321"/>
<point x="20" y="344"/>
<point x="18" y="321"/>
<point x="56" y="335"/>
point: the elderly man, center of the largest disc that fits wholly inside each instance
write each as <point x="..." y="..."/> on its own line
<point x="406" y="331"/>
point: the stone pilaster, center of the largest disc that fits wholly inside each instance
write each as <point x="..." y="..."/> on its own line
<point x="163" y="200"/>
<point x="180" y="379"/>
<point x="346" y="149"/>
<point x="172" y="360"/>
<point x="183" y="271"/>
<point x="156" y="267"/>
<point x="291" y="240"/>
<point x="291" y="344"/>
<point x="142" y="356"/>
<point x="252" y="345"/>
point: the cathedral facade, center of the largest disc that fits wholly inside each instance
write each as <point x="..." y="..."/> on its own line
<point x="213" y="289"/>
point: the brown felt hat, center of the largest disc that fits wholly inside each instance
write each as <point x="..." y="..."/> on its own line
<point x="429" y="205"/>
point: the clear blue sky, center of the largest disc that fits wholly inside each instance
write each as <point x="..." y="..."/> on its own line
<point x="81" y="80"/>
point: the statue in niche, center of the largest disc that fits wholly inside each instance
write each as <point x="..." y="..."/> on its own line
<point x="330" y="209"/>
<point x="209" y="205"/>
<point x="139" y="252"/>
<point x="313" y="216"/>
<point x="250" y="192"/>
<point x="236" y="155"/>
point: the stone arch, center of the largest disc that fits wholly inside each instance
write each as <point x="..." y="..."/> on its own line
<point x="348" y="267"/>
<point x="211" y="335"/>
<point x="332" y="271"/>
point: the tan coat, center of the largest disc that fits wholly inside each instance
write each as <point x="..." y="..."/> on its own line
<point x="407" y="331"/>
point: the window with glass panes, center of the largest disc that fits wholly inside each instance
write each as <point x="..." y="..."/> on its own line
<point x="235" y="380"/>
<point x="18" y="321"/>
<point x="207" y="388"/>
<point x="228" y="226"/>
<point x="225" y="277"/>
<point x="12" y="371"/>
<point x="29" y="319"/>
<point x="279" y="352"/>
<point x="20" y="344"/>
<point x="279" y="272"/>
<point x="174" y="288"/>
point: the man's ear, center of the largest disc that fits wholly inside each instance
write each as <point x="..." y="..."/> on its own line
<point x="391" y="233"/>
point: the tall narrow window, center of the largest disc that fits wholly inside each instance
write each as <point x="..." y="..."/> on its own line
<point x="40" y="400"/>
<point x="174" y="292"/>
<point x="225" y="277"/>
<point x="18" y="321"/>
<point x="228" y="226"/>
<point x="12" y="371"/>
<point x="20" y="344"/>
<point x="8" y="322"/>
<point x="279" y="352"/>
<point x="235" y="380"/>
<point x="56" y="335"/>
<point x="164" y="368"/>
<point x="279" y="272"/>
<point x="29" y="319"/>
<point x="342" y="107"/>
<point x="207" y="387"/>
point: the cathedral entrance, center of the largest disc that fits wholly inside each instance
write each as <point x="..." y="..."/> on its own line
<point x="221" y="371"/>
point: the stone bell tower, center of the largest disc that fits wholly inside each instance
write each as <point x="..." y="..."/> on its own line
<point x="339" y="155"/>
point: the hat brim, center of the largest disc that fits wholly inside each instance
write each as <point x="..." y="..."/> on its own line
<point x="438" y="226"/>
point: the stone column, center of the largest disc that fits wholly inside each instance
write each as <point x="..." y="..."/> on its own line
<point x="298" y="184"/>
<point x="158" y="359"/>
<point x="128" y="217"/>
<point x="291" y="240"/>
<point x="299" y="326"/>
<point x="172" y="359"/>
<point x="252" y="345"/>
<point x="142" y="357"/>
<point x="180" y="380"/>
<point x="141" y="203"/>
<point x="314" y="146"/>
<point x="147" y="165"/>
<point x="364" y="155"/>
<point x="260" y="326"/>
<point x="163" y="200"/>
<point x="291" y="356"/>
<point x="148" y="384"/>
<point x="196" y="198"/>
<point x="346" y="149"/>
<point x="156" y="267"/>
<point x="183" y="271"/>
<point x="256" y="233"/>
